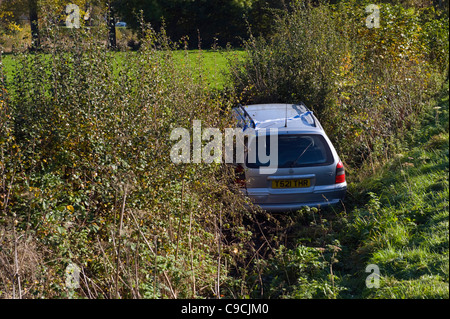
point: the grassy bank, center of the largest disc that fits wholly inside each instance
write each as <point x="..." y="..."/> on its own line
<point x="210" y="63"/>
<point x="395" y="219"/>
<point x="403" y="227"/>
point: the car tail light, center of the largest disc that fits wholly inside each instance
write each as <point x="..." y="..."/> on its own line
<point x="340" y="173"/>
<point x="239" y="174"/>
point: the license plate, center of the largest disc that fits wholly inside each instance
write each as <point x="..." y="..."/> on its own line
<point x="291" y="183"/>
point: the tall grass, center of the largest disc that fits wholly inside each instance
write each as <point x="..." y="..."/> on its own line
<point x="408" y="236"/>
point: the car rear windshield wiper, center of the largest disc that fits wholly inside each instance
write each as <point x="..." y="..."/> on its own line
<point x="306" y="148"/>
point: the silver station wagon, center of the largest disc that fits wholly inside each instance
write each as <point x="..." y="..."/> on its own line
<point x="308" y="170"/>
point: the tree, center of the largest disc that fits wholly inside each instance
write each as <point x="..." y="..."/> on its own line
<point x="8" y="23"/>
<point x="11" y="11"/>
<point x="34" y="24"/>
<point x="112" y="43"/>
<point x="221" y="19"/>
<point x="263" y="14"/>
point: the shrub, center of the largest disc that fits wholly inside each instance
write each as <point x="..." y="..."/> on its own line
<point x="368" y="85"/>
<point x="88" y="179"/>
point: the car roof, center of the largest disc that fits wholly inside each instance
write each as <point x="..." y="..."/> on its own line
<point x="288" y="117"/>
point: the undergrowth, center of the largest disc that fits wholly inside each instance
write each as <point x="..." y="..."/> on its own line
<point x="87" y="183"/>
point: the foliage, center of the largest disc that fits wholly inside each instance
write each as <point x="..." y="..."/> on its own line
<point x="301" y="272"/>
<point x="202" y="21"/>
<point x="366" y="84"/>
<point x="92" y="184"/>
<point x="403" y="227"/>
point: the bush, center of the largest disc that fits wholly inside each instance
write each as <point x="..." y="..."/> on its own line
<point x="368" y="85"/>
<point x="87" y="177"/>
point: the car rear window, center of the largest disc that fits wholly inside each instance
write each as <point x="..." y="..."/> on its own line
<point x="297" y="150"/>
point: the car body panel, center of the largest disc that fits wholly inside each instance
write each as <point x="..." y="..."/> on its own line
<point x="291" y="121"/>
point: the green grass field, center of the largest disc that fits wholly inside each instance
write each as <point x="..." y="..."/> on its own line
<point x="210" y="64"/>
<point x="8" y="64"/>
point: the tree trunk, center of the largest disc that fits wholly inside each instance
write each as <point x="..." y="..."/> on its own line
<point x="33" y="15"/>
<point x="112" y="27"/>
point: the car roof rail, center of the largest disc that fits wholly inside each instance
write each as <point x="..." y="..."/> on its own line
<point x="245" y="117"/>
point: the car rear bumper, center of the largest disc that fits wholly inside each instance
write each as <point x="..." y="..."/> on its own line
<point x="320" y="197"/>
<point x="296" y="206"/>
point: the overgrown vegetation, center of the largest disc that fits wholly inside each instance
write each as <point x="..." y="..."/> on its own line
<point x="403" y="228"/>
<point x="373" y="88"/>
<point x="366" y="84"/>
<point x="86" y="178"/>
